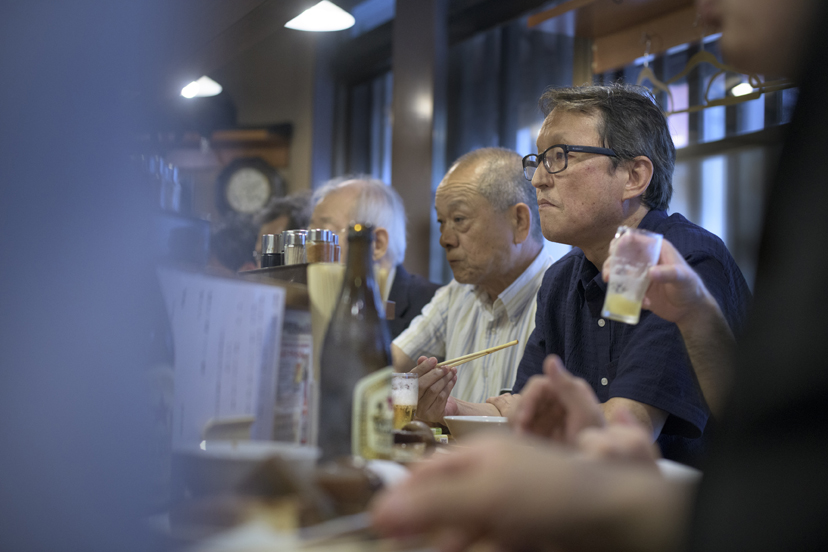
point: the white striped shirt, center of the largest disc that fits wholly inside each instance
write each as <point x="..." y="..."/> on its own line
<point x="461" y="319"/>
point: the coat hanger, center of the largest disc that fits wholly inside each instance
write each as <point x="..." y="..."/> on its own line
<point x="647" y="73"/>
<point x="698" y="59"/>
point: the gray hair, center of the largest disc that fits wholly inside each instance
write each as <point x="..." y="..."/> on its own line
<point x="502" y="182"/>
<point x="631" y="123"/>
<point x="377" y="204"/>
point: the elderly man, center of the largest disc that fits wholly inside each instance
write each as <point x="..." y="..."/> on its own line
<point x="491" y="234"/>
<point x="606" y="159"/>
<point x="368" y="200"/>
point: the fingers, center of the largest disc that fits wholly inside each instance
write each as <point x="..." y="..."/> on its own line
<point x="669" y="274"/>
<point x="424" y="366"/>
<point x="432" y="402"/>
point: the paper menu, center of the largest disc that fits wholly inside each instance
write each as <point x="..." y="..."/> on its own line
<point x="227" y="336"/>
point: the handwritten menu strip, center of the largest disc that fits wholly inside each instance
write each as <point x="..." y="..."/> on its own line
<point x="227" y="336"/>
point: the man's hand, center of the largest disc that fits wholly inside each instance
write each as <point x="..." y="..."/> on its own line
<point x="435" y="385"/>
<point x="622" y="439"/>
<point x="516" y="494"/>
<point x="557" y="405"/>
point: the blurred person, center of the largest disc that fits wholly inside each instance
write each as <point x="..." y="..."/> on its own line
<point x="764" y="486"/>
<point x="613" y="166"/>
<point x="365" y="199"/>
<point x="232" y="245"/>
<point x="490" y="231"/>
<point x="75" y="343"/>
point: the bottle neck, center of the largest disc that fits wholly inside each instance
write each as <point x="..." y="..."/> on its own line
<point x="360" y="260"/>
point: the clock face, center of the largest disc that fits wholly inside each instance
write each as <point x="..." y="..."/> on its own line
<point x="248" y="190"/>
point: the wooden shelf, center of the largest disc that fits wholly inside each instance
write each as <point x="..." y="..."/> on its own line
<point x="617" y="29"/>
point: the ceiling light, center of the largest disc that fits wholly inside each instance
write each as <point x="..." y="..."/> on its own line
<point x="324" y="16"/>
<point x="742" y="89"/>
<point x="203" y="87"/>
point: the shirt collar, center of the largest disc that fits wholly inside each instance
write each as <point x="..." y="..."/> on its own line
<point x="515" y="297"/>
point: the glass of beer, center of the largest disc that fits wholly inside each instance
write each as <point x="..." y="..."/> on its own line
<point x="634" y="251"/>
<point x="405" y="390"/>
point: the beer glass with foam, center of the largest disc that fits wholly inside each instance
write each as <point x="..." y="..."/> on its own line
<point x="404" y="394"/>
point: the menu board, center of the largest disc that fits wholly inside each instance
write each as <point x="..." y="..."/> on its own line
<point x="227" y="337"/>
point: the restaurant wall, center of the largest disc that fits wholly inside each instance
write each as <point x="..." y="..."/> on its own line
<point x="271" y="83"/>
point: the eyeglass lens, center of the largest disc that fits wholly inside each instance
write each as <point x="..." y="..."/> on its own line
<point x="554" y="159"/>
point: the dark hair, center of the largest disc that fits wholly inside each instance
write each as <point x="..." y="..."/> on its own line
<point x="502" y="182"/>
<point x="296" y="207"/>
<point x="631" y="123"/>
<point x="233" y="243"/>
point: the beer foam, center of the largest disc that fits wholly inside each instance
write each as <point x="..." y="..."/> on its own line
<point x="404" y="391"/>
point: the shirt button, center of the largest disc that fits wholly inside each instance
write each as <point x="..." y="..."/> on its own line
<point x="604" y="381"/>
<point x="601" y="322"/>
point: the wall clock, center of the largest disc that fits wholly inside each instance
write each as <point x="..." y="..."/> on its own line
<point x="246" y="185"/>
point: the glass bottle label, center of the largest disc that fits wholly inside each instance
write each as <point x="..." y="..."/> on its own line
<point x="373" y="413"/>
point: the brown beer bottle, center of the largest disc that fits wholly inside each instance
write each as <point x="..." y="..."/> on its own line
<point x="355" y="380"/>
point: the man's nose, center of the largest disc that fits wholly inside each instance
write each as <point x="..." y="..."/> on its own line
<point x="448" y="238"/>
<point x="541" y="179"/>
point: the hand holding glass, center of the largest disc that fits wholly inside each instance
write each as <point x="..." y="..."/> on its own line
<point x="633" y="252"/>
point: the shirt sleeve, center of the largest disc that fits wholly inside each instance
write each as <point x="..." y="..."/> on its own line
<point x="426" y="335"/>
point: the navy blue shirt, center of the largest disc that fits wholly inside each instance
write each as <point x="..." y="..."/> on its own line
<point x="646" y="362"/>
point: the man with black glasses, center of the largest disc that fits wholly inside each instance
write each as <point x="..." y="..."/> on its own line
<point x="606" y="159"/>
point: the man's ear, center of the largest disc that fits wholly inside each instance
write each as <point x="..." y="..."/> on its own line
<point x="521" y="222"/>
<point x="380" y="243"/>
<point x="640" y="170"/>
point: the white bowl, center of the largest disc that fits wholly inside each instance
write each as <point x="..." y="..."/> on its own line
<point x="462" y="426"/>
<point x="221" y="466"/>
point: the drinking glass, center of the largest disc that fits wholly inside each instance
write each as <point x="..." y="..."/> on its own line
<point x="405" y="390"/>
<point x="633" y="253"/>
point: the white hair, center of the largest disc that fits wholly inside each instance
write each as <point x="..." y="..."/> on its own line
<point x="377" y="204"/>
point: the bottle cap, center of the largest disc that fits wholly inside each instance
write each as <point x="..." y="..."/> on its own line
<point x="294" y="238"/>
<point x="269" y="243"/>
<point x="320" y="235"/>
<point x="360" y="230"/>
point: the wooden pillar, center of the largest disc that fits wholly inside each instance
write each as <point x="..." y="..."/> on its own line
<point x="582" y="62"/>
<point x="420" y="49"/>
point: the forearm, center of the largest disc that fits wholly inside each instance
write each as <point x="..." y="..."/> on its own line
<point x="402" y="362"/>
<point x="651" y="418"/>
<point x="476" y="409"/>
<point x="710" y="345"/>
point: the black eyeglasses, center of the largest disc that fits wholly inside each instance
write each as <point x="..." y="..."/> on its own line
<point x="555" y="158"/>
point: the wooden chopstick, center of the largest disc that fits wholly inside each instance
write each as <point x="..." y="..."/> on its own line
<point x="474" y="356"/>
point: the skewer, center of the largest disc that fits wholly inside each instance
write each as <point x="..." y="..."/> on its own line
<point x="474" y="356"/>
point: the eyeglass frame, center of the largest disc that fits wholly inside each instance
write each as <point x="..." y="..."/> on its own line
<point x="566" y="149"/>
